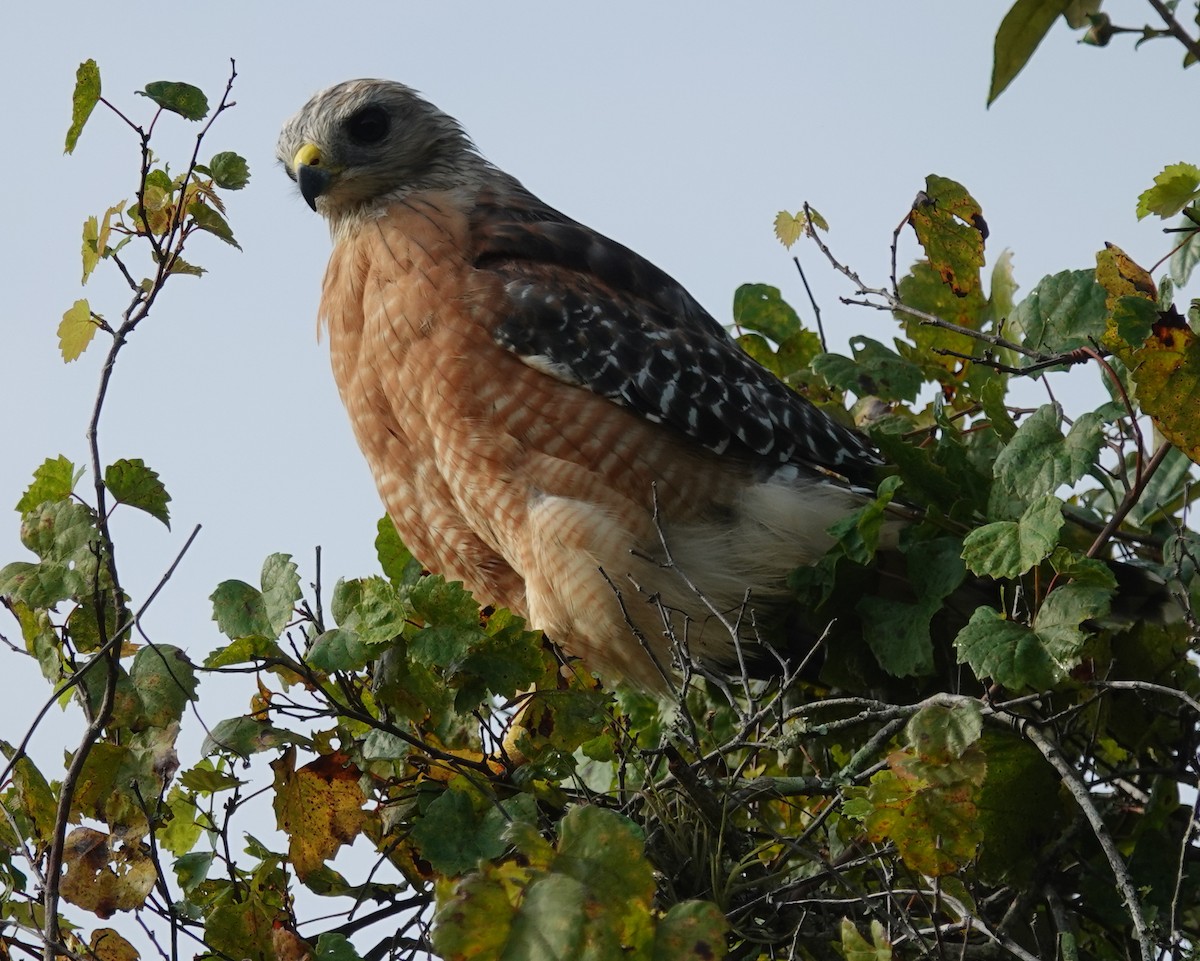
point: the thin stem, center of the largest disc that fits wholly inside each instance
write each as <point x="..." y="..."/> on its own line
<point x="1175" y="29"/>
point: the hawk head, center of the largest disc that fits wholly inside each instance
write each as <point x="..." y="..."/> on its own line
<point x="365" y="143"/>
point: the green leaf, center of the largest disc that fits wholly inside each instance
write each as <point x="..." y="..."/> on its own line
<point x="181" y="266"/>
<point x="372" y="608"/>
<point x="1164" y="492"/>
<point x="551" y="921"/>
<point x="205" y="779"/>
<point x="1021" y="810"/>
<point x="159" y="179"/>
<point x="83" y="101"/>
<point x="1021" y="30"/>
<point x="992" y="396"/>
<point x="191" y="870"/>
<point x="1038" y="460"/>
<point x="875" y="371"/>
<point x="1002" y="299"/>
<point x="244" y="736"/>
<point x="132" y="482"/>
<point x="1177" y="186"/>
<point x="84" y="630"/>
<point x="457" y="831"/>
<point x="790" y="227"/>
<point x="1009" y="548"/>
<point x="332" y="946"/>
<point x="1079" y="13"/>
<point x="604" y="850"/>
<point x="1063" y="311"/>
<point x="52" y="481"/>
<point x="165" y="681"/>
<point x="339" y="650"/>
<point x="1184" y="260"/>
<point x="229" y="171"/>
<point x="240" y="611"/>
<point x="242" y="928"/>
<point x="280" y="591"/>
<point x="181" y="98"/>
<point x="61" y="530"/>
<point x="1009" y="653"/>
<point x="245" y="650"/>
<point x="182" y="831"/>
<point x="39" y="585"/>
<point x="1132" y="322"/>
<point x="76" y="330"/>
<point x="505" y="659"/>
<point x="761" y="308"/>
<point x="1058" y="620"/>
<point x="898" y="631"/>
<point x="857" y="533"/>
<point x="395" y="559"/>
<point x="940" y="733"/>
<point x="207" y="218"/>
<point x="36" y="798"/>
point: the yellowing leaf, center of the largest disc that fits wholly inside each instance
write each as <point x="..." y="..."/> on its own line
<point x="102" y="877"/>
<point x="1157" y="346"/>
<point x="857" y="948"/>
<point x="1120" y="276"/>
<point x="108" y="945"/>
<point x="1167" y="373"/>
<point x="319" y="807"/>
<point x="91" y="256"/>
<point x="951" y="228"/>
<point x="789" y="227"/>
<point x="928" y="810"/>
<point x="76" y="330"/>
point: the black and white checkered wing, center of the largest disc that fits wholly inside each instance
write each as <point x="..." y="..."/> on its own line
<point x="591" y="312"/>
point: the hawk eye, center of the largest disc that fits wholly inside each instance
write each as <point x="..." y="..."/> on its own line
<point x="370" y="125"/>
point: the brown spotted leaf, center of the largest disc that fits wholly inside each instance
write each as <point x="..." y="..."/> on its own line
<point x="319" y="807"/>
<point x="1157" y="346"/>
<point x="103" y="877"/>
<point x="107" y="945"/>
<point x="928" y="809"/>
<point x="951" y="228"/>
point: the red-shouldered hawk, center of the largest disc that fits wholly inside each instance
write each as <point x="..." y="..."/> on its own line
<point x="527" y="391"/>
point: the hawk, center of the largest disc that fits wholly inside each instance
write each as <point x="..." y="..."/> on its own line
<point x="550" y="418"/>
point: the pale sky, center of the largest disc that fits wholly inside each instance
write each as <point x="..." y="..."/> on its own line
<point x="677" y="128"/>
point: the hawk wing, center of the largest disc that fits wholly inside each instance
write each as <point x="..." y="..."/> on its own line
<point x="593" y="313"/>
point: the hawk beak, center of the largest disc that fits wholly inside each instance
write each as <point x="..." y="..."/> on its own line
<point x="312" y="178"/>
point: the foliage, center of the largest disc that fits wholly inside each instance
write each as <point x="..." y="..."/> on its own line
<point x="983" y="757"/>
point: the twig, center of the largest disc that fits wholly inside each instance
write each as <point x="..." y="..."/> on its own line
<point x="77" y="676"/>
<point x="1079" y="791"/>
<point x="1130" y="500"/>
<point x="813" y="301"/>
<point x="1175" y="29"/>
